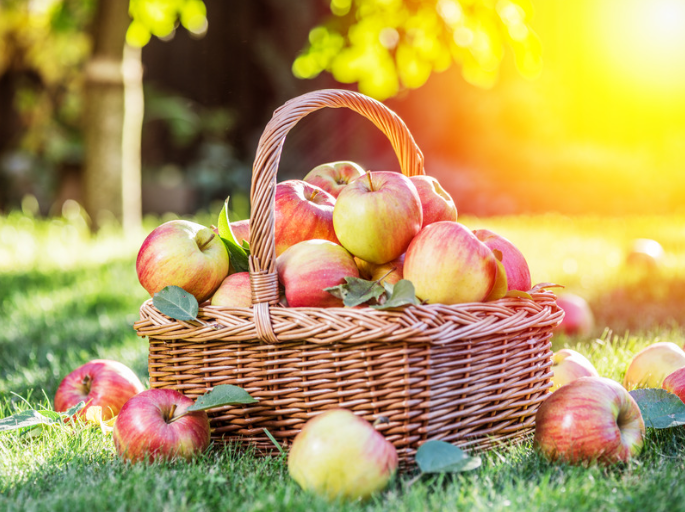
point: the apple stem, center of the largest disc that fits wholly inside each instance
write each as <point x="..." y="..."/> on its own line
<point x="370" y="182"/>
<point x="206" y="242"/>
<point x="171" y="418"/>
<point x="86" y="382"/>
<point x="386" y="275"/>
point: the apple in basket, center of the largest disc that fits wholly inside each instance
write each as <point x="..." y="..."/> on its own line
<point x="569" y="365"/>
<point x="334" y="176"/>
<point x="376" y="216"/>
<point x="447" y="264"/>
<point x="390" y="272"/>
<point x="99" y="383"/>
<point x="302" y="212"/>
<point x="185" y="254"/>
<point x="339" y="455"/>
<point x="154" y="425"/>
<point x="592" y="419"/>
<point x="308" y="267"/>
<point x="651" y="365"/>
<point x="515" y="265"/>
<point x="234" y="291"/>
<point x="436" y="203"/>
<point x="241" y="230"/>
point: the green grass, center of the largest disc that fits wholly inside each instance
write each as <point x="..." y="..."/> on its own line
<point x="67" y="297"/>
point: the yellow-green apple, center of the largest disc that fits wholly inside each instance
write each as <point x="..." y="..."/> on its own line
<point x="390" y="272"/>
<point x="447" y="264"/>
<point x="578" y="318"/>
<point x="675" y="383"/>
<point x="515" y="265"/>
<point x="334" y="176"/>
<point x="185" y="254"/>
<point x="569" y="365"/>
<point x="339" y="455"/>
<point x="234" y="291"/>
<point x="376" y="216"/>
<point x="241" y="230"/>
<point x="651" y="365"/>
<point x="436" y="203"/>
<point x="303" y="212"/>
<point x="156" y="424"/>
<point x="308" y="267"/>
<point x="499" y="289"/>
<point x="591" y="419"/>
<point x="100" y="383"/>
<point x="646" y="253"/>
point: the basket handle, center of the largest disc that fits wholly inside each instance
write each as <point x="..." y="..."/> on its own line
<point x="263" y="277"/>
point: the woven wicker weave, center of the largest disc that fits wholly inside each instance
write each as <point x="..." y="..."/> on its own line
<point x="472" y="374"/>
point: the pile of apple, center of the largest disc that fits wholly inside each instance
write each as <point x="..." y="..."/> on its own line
<point x="338" y="222"/>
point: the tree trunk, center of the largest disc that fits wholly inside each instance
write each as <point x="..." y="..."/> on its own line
<point x="113" y="121"/>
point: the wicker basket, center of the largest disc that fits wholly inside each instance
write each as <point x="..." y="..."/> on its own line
<point x="471" y="374"/>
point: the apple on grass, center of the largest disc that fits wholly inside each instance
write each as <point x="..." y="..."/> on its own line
<point x="436" y="203"/>
<point x="185" y="254"/>
<point x="592" y="419"/>
<point x="578" y="318"/>
<point x="340" y="455"/>
<point x="308" y="267"/>
<point x="447" y="264"/>
<point x="334" y="176"/>
<point x="515" y="265"/>
<point x="651" y="365"/>
<point x="155" y="425"/>
<point x="377" y="216"/>
<point x="569" y="365"/>
<point x="99" y="383"/>
<point x="675" y="383"/>
<point x="302" y="212"/>
<point x="234" y="291"/>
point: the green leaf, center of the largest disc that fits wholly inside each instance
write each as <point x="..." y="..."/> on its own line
<point x="273" y="440"/>
<point x="659" y="408"/>
<point x="176" y="303"/>
<point x="28" y="418"/>
<point x="442" y="457"/>
<point x="356" y="291"/>
<point x="223" y="394"/>
<point x="238" y="256"/>
<point x="401" y="294"/>
<point x="73" y="410"/>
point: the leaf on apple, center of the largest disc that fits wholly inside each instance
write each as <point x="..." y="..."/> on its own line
<point x="223" y="394"/>
<point x="400" y="294"/>
<point x="356" y="291"/>
<point x="659" y="408"/>
<point x="238" y="254"/>
<point x="443" y="457"/>
<point x="175" y="302"/>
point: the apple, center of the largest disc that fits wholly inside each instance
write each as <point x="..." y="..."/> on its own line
<point x="675" y="383"/>
<point x="651" y="365"/>
<point x="515" y="265"/>
<point x="376" y="216"/>
<point x="436" y="203"/>
<point x="645" y="253"/>
<point x="155" y="425"/>
<point x="185" y="254"/>
<point x="591" y="419"/>
<point x="100" y="383"/>
<point x="241" y="230"/>
<point x="578" y="318"/>
<point x="339" y="455"/>
<point x="447" y="264"/>
<point x="234" y="291"/>
<point x="391" y="272"/>
<point x="499" y="289"/>
<point x="303" y="212"/>
<point x="334" y="176"/>
<point x="308" y="267"/>
<point x="569" y="365"/>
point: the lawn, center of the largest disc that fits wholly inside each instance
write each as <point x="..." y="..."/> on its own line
<point x="67" y="297"/>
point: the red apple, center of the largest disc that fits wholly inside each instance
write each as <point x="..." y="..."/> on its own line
<point x="651" y="365"/>
<point x="334" y="176"/>
<point x="147" y="429"/>
<point x="675" y="383"/>
<point x="241" y="230"/>
<point x="589" y="419"/>
<point x="436" y="203"/>
<point x="569" y="365"/>
<point x="303" y="212"/>
<point x="645" y="253"/>
<point x="515" y="265"/>
<point x="234" y="291"/>
<point x="393" y="270"/>
<point x="447" y="264"/>
<point x="339" y="455"/>
<point x="99" y="383"/>
<point x="377" y="215"/>
<point x="308" y="267"/>
<point x="578" y="318"/>
<point x="185" y="254"/>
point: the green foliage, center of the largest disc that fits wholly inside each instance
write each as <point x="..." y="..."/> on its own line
<point x="388" y="45"/>
<point x="160" y="18"/>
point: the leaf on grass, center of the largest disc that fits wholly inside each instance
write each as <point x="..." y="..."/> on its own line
<point x="175" y="302"/>
<point x="442" y="457"/>
<point x="29" y="418"/>
<point x="659" y="408"/>
<point x="73" y="410"/>
<point x="356" y="291"/>
<point x="401" y="294"/>
<point x="223" y="394"/>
